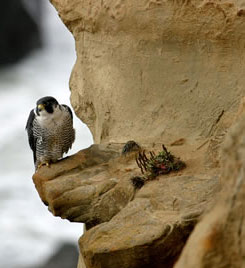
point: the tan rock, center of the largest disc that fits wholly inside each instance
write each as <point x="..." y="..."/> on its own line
<point x="86" y="187"/>
<point x="219" y="239"/>
<point x="155" y="70"/>
<point x="127" y="225"/>
<point x="152" y="229"/>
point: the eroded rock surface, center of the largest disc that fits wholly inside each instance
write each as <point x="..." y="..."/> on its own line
<point x="152" y="229"/>
<point x="127" y="227"/>
<point x="85" y="187"/>
<point x="156" y="70"/>
<point x="219" y="239"/>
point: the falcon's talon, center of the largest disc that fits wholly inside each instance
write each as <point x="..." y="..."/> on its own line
<point x="39" y="166"/>
<point x="47" y="164"/>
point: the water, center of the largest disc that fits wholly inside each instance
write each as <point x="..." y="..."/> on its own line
<point x="29" y="232"/>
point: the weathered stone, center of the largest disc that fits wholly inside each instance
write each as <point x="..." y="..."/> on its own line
<point x="152" y="229"/>
<point x="86" y="187"/>
<point x="155" y="70"/>
<point x="219" y="239"/>
<point x="125" y="224"/>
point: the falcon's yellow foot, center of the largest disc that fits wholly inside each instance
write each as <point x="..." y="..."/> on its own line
<point x="47" y="164"/>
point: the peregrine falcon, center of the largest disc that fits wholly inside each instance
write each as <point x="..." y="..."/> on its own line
<point x="50" y="131"/>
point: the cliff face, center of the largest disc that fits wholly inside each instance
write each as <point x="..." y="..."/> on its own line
<point x="219" y="239"/>
<point x="157" y="72"/>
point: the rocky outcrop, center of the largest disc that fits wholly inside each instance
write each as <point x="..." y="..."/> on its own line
<point x="156" y="72"/>
<point x="158" y="220"/>
<point x="86" y="187"/>
<point x="127" y="226"/>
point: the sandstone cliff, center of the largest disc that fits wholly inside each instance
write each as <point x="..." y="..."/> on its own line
<point x="156" y="72"/>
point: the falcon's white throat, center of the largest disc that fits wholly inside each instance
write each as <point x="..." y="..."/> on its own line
<point x="49" y="120"/>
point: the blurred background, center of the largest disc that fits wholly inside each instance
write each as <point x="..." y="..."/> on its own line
<point x="37" y="54"/>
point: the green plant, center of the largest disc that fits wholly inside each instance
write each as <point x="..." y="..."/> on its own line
<point x="160" y="164"/>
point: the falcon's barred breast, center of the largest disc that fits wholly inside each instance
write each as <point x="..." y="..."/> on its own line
<point x="50" y="131"/>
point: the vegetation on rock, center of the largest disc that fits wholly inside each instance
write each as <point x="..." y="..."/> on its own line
<point x="155" y="165"/>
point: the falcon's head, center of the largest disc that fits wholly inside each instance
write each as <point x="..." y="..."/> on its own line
<point x="46" y="105"/>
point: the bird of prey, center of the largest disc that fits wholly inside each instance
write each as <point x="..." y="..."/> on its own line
<point x="50" y="131"/>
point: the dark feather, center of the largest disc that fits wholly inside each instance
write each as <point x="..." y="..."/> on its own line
<point x="32" y="140"/>
<point x="69" y="109"/>
<point x="47" y="100"/>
